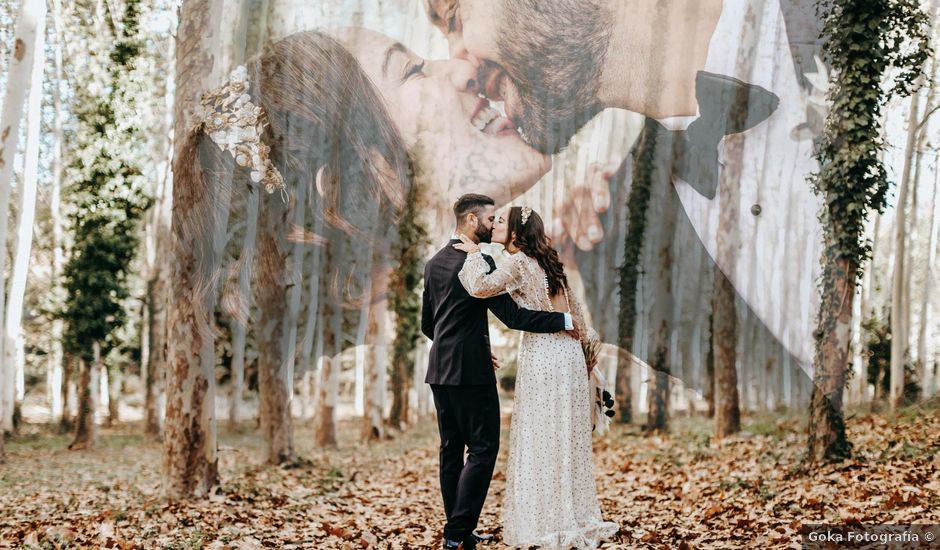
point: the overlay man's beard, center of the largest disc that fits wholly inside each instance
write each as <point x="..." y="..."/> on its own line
<point x="483" y="234"/>
<point x="554" y="52"/>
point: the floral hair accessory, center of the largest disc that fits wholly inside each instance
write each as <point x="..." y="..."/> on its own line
<point x="526" y="212"/>
<point x="236" y="124"/>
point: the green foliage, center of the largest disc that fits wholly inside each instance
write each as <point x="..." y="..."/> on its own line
<point x="863" y="40"/>
<point x="107" y="198"/>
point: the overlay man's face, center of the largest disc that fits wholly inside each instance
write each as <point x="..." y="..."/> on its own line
<point x="543" y="58"/>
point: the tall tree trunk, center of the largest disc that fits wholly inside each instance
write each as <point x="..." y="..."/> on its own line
<point x="637" y="208"/>
<point x="88" y="389"/>
<point x="724" y="313"/>
<point x="899" y="321"/>
<point x="26" y="213"/>
<point x="190" y="453"/>
<point x="68" y="396"/>
<point x="657" y="419"/>
<point x="665" y="202"/>
<point x="155" y="361"/>
<point x="362" y="357"/>
<point x="308" y="390"/>
<point x="312" y="348"/>
<point x="28" y="37"/>
<point x="927" y="387"/>
<point x="317" y="354"/>
<point x="401" y="384"/>
<point x="56" y="357"/>
<point x="115" y="381"/>
<point x="709" y="393"/>
<point x="858" y="392"/>
<point x="275" y="370"/>
<point x="274" y="386"/>
<point x="724" y="339"/>
<point x="331" y="362"/>
<point x="104" y="393"/>
<point x="405" y="302"/>
<point x="922" y="361"/>
<point x="827" y="438"/>
<point x="325" y="420"/>
<point x="240" y="330"/>
<point x="158" y="285"/>
<point x="377" y="361"/>
<point x="296" y="287"/>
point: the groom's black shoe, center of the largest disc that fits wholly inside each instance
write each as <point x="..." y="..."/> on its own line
<point x="480" y="538"/>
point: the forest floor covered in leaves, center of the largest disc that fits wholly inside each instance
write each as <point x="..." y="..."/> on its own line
<point x="675" y="491"/>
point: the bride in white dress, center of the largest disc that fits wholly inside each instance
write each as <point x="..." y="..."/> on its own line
<point x="550" y="499"/>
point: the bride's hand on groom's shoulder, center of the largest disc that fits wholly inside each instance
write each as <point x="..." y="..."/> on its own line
<point x="466" y="244"/>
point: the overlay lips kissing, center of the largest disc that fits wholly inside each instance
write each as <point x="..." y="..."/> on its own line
<point x="726" y="106"/>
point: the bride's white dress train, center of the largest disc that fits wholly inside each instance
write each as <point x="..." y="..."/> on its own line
<point x="550" y="499"/>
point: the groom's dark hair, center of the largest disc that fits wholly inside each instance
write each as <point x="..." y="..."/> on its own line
<point x="471" y="202"/>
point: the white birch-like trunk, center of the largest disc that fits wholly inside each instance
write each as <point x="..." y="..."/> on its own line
<point x="927" y="382"/>
<point x="56" y="357"/>
<point x="157" y="244"/>
<point x="289" y="344"/>
<point x="376" y="364"/>
<point x="330" y="364"/>
<point x="859" y="391"/>
<point x="27" y="41"/>
<point x="26" y="214"/>
<point x="359" y="387"/>
<point x="898" y="325"/>
<point x="318" y="354"/>
<point x="313" y="328"/>
<point x="103" y="404"/>
<point x="900" y="291"/>
<point x="923" y="126"/>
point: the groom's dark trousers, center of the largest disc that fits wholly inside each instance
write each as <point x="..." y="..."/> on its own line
<point x="460" y="372"/>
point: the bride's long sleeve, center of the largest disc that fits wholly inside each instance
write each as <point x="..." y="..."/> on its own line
<point x="480" y="282"/>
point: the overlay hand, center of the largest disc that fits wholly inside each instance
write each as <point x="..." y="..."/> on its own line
<point x="576" y="213"/>
<point x="466" y="244"/>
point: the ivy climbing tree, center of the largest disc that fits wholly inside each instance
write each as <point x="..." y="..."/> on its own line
<point x="405" y="301"/>
<point x="863" y="39"/>
<point x="107" y="200"/>
<point x="637" y="209"/>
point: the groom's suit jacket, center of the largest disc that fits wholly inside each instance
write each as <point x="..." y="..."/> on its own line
<point x="457" y="322"/>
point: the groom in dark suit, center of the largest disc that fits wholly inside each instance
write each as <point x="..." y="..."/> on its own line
<point x="460" y="370"/>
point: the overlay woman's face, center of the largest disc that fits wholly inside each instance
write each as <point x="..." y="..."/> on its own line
<point x="460" y="143"/>
<point x="501" y="230"/>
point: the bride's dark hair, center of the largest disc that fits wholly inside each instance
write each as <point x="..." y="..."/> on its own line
<point x="328" y="130"/>
<point x="531" y="239"/>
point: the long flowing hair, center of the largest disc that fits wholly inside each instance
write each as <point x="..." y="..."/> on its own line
<point x="329" y="130"/>
<point x="531" y="239"/>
